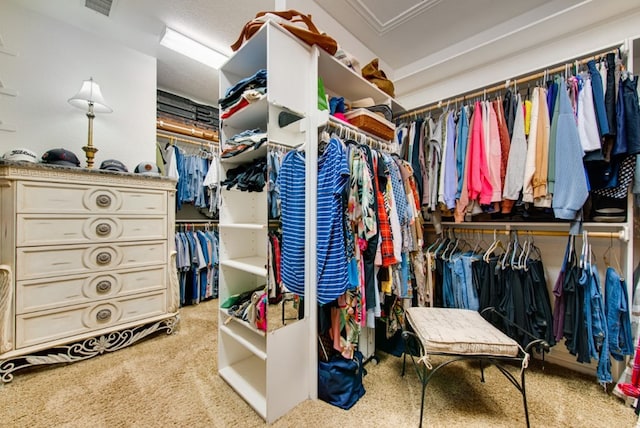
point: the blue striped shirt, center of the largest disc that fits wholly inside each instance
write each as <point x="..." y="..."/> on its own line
<point x="333" y="176"/>
<point x="291" y="185"/>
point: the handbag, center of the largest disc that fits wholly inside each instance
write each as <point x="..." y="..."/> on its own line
<point x="299" y="24"/>
<point x="373" y="74"/>
<point x="340" y="380"/>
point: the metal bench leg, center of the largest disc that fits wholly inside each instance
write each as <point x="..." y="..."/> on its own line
<point x="524" y="398"/>
<point x="424" y="387"/>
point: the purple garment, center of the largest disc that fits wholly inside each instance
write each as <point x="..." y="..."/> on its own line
<point x="451" y="175"/>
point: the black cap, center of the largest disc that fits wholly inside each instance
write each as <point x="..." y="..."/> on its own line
<point x="113" y="165"/>
<point x="60" y="157"/>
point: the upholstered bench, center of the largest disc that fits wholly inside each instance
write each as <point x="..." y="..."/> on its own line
<point x="461" y="334"/>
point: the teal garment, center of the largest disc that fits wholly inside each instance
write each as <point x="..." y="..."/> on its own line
<point x="553" y="132"/>
<point x="461" y="148"/>
<point x="572" y="188"/>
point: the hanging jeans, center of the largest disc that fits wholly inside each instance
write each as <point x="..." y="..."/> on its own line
<point x="596" y="325"/>
<point x="618" y="315"/>
<point x="448" y="299"/>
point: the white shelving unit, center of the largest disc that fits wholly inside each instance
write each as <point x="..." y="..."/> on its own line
<point x="276" y="370"/>
<point x="270" y="370"/>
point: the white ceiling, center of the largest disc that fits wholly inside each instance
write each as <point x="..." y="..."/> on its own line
<point x="418" y="39"/>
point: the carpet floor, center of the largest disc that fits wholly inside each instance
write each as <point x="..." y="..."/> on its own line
<point x="172" y="381"/>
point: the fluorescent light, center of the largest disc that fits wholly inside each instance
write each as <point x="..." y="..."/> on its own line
<point x="189" y="47"/>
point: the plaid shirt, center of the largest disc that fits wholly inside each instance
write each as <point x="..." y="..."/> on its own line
<point x="384" y="225"/>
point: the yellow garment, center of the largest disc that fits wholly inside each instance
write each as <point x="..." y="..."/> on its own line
<point x="385" y="284"/>
<point x="527" y="116"/>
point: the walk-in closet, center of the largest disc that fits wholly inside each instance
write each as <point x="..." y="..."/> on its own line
<point x="417" y="213"/>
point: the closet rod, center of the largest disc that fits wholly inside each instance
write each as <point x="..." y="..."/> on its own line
<point x="174" y="138"/>
<point x="510" y="82"/>
<point x="169" y="125"/>
<point x="621" y="235"/>
<point x="199" y="222"/>
<point x="374" y="141"/>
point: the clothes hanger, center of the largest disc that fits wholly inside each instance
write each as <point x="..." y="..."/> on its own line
<point x="435" y="243"/>
<point x="617" y="265"/>
<point x="497" y="243"/>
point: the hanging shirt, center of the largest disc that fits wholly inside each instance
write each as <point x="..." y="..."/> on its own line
<point x="517" y="157"/>
<point x="291" y="185"/>
<point x="505" y="141"/>
<point x="494" y="158"/>
<point x="530" y="163"/>
<point x="541" y="193"/>
<point x="461" y="148"/>
<point x="571" y="184"/>
<point x="333" y="173"/>
<point x="448" y="173"/>
<point x="587" y="122"/>
<point x="478" y="182"/>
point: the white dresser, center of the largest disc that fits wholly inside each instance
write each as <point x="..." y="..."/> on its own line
<point x="86" y="263"/>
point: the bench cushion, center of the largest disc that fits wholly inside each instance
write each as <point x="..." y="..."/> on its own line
<point x="460" y="332"/>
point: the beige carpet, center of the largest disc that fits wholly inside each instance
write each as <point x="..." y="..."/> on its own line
<point x="172" y="381"/>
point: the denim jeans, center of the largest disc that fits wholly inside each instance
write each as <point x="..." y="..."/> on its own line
<point x="595" y="322"/>
<point x="458" y="282"/>
<point x="629" y="89"/>
<point x="472" y="301"/>
<point x="598" y="98"/>
<point x="618" y="316"/>
<point x="448" y="300"/>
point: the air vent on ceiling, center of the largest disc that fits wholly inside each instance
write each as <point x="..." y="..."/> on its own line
<point x="100" y="6"/>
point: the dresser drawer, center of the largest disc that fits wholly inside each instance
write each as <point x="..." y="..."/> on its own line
<point x="38" y="197"/>
<point x="43" y="229"/>
<point x="48" y="326"/>
<point x="38" y="295"/>
<point x="51" y="261"/>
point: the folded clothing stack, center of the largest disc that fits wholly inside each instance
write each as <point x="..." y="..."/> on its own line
<point x="243" y="141"/>
<point x="244" y="92"/>
<point x="249" y="177"/>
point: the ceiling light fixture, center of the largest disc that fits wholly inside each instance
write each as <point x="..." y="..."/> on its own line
<point x="189" y="47"/>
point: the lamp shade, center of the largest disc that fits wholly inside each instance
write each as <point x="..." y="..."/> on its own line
<point x="90" y="93"/>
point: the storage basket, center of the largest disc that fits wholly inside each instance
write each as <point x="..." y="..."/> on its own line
<point x="371" y="123"/>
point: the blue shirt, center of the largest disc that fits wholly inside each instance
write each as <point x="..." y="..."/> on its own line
<point x="333" y="175"/>
<point x="291" y="186"/>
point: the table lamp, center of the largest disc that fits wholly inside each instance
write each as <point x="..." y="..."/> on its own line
<point x="90" y="98"/>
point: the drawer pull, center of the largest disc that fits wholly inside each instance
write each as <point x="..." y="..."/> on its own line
<point x="103" y="315"/>
<point x="103" y="201"/>
<point x="103" y="229"/>
<point x="103" y="287"/>
<point x="103" y="258"/>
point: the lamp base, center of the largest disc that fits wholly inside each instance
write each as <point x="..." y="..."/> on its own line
<point x="90" y="151"/>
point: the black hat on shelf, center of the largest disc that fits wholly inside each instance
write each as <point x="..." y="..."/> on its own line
<point x="113" y="165"/>
<point x="62" y="157"/>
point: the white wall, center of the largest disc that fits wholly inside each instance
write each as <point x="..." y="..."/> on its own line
<point x="52" y="60"/>
<point x="581" y="43"/>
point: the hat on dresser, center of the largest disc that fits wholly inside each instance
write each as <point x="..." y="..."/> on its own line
<point x="20" y="155"/>
<point x="62" y="157"/>
<point x="113" y="165"/>
<point x="147" y="168"/>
